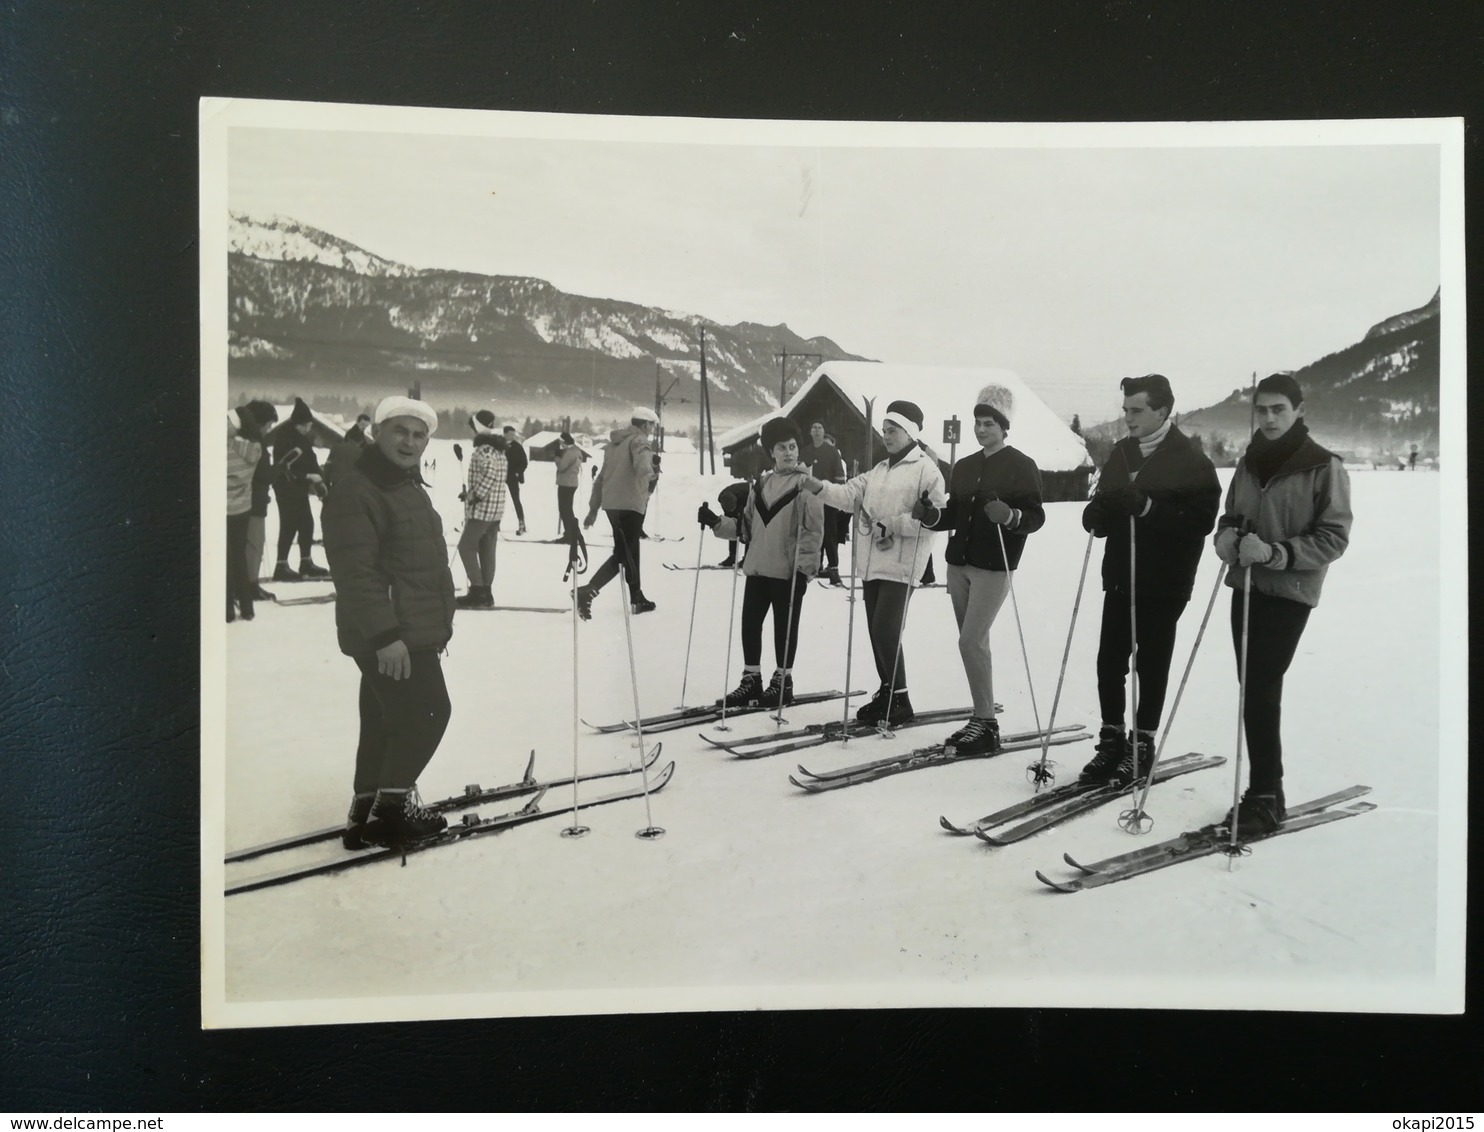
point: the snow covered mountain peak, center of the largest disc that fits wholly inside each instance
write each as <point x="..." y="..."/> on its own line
<point x="288" y="240"/>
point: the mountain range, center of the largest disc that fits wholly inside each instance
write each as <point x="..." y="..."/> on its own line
<point x="310" y="311"/>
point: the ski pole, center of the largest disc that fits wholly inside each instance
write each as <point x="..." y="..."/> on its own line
<point x="650" y="832"/>
<point x="1137" y="820"/>
<point x="855" y="516"/>
<point x="883" y="728"/>
<point x="575" y="829"/>
<point x="1015" y="606"/>
<point x="1233" y="848"/>
<point x="793" y="581"/>
<point x="690" y="633"/>
<point x="1133" y="648"/>
<point x="1040" y="772"/>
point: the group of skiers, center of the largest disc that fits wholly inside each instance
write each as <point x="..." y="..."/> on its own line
<point x="1286" y="517"/>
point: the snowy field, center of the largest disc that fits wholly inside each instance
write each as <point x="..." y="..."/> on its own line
<point x="761" y="895"/>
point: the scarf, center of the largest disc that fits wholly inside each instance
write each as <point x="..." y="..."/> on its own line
<point x="1147" y="444"/>
<point x="1264" y="457"/>
<point x="895" y="458"/>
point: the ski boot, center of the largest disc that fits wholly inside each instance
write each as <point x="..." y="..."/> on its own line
<point x="585" y="595"/>
<point x="780" y="691"/>
<point x="354" y="836"/>
<point x="832" y="575"/>
<point x="977" y="737"/>
<point x="749" y="693"/>
<point x="874" y="710"/>
<point x="899" y="709"/>
<point x="641" y="604"/>
<point x="260" y="594"/>
<point x="1136" y="761"/>
<point x="1112" y="746"/>
<point x="1258" y="813"/>
<point x="283" y="573"/>
<point x="478" y="597"/>
<point x="398" y="816"/>
<point x="308" y="569"/>
<point x="521" y="529"/>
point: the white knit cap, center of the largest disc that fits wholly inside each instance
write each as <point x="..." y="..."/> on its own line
<point x="640" y="413"/>
<point x="407" y="407"/>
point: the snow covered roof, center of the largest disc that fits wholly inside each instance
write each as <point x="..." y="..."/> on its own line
<point x="545" y="437"/>
<point x="941" y="392"/>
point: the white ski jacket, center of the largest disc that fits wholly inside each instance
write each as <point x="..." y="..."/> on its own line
<point x="884" y="495"/>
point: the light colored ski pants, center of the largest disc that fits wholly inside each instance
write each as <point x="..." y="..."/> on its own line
<point x="977" y="595"/>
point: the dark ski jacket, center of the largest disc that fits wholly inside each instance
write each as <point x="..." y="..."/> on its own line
<point x="385" y="544"/>
<point x="293" y="459"/>
<point x="1185" y="496"/>
<point x="515" y="462"/>
<point x="823" y="461"/>
<point x="1009" y="475"/>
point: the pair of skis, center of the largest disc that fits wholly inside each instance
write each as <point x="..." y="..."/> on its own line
<point x="818" y="734"/>
<point x="708" y="713"/>
<point x="923" y="757"/>
<point x="1054" y="806"/>
<point x="471" y="826"/>
<point x="1206" y="841"/>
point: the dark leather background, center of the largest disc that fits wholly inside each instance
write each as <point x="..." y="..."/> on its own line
<point x="98" y="524"/>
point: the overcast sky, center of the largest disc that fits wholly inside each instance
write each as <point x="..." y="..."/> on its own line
<point x="1073" y="267"/>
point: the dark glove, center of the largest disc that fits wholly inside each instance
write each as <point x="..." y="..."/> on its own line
<point x="654" y="460"/>
<point x="998" y="511"/>
<point x="463" y="495"/>
<point x="458" y="453"/>
<point x="924" y="511"/>
<point x="1125" y="502"/>
<point x="707" y="517"/>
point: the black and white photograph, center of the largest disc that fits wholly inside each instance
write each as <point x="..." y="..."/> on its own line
<point x="687" y="565"/>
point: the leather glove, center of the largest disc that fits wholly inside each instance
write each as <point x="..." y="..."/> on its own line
<point x="458" y="453"/>
<point x="998" y="511"/>
<point x="1252" y="551"/>
<point x="707" y="517"/>
<point x="1125" y="502"/>
<point x="924" y="511"/>
<point x="1226" y="545"/>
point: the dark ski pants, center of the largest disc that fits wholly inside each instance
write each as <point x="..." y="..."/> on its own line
<point x="240" y="587"/>
<point x="402" y="723"/>
<point x="1273" y="631"/>
<point x="513" y="486"/>
<point x="627" y="527"/>
<point x="256" y="528"/>
<point x="1158" y="617"/>
<point x="295" y="521"/>
<point x="833" y="520"/>
<point x="885" y="603"/>
<point x="760" y="596"/>
<point x="477" y="549"/>
<point x="570" y="527"/>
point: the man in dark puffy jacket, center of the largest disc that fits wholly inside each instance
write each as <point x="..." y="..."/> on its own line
<point x="1159" y="483"/>
<point x="393" y="616"/>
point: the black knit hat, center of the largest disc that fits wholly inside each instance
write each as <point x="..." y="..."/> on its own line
<point x="301" y="413"/>
<point x="778" y="431"/>
<point x="262" y="412"/>
<point x="906" y="409"/>
<point x="567" y="438"/>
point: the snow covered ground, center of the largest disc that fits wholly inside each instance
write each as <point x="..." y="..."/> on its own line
<point x="760" y="895"/>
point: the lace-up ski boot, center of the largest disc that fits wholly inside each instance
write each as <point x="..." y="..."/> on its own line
<point x="478" y="597"/>
<point x="354" y="836"/>
<point x="749" y="693"/>
<point x="1135" y="764"/>
<point x="1112" y="746"/>
<point x="642" y="604"/>
<point x="780" y="691"/>
<point x="1258" y="813"/>
<point x="398" y="816"/>
<point x="874" y="710"/>
<point x="899" y="709"/>
<point x="585" y="595"/>
<point x="283" y="572"/>
<point x="977" y="737"/>
<point x="308" y="569"/>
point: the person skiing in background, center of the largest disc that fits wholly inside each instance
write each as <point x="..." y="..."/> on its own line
<point x="994" y="503"/>
<point x="244" y="448"/>
<point x="782" y="526"/>
<point x="393" y="616"/>
<point x="822" y="460"/>
<point x="296" y="473"/>
<point x="891" y="545"/>
<point x="266" y="417"/>
<point x="1287" y="517"/>
<point x="622" y="489"/>
<point x="484" y="507"/>
<point x="515" y="473"/>
<point x="1163" y="481"/>
<point x="569" y="463"/>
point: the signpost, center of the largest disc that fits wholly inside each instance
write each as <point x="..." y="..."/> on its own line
<point x="950" y="438"/>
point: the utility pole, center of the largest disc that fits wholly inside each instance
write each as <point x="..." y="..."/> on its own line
<point x="782" y="360"/>
<point x="707" y="432"/>
<point x="701" y="405"/>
